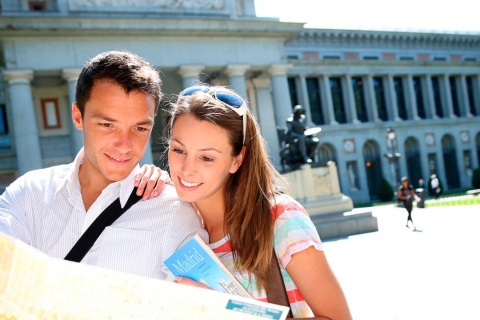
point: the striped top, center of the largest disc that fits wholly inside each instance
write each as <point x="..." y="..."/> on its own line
<point x="294" y="232"/>
<point x="44" y="208"/>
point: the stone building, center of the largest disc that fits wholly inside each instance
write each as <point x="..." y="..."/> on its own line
<point x="354" y="84"/>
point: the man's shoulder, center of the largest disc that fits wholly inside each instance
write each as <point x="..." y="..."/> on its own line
<point x="42" y="178"/>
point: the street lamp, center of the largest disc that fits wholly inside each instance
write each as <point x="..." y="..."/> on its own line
<point x="394" y="156"/>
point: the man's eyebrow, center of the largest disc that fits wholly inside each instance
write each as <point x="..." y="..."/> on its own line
<point x="106" y="118"/>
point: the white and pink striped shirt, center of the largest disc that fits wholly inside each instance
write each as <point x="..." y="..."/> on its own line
<point x="294" y="232"/>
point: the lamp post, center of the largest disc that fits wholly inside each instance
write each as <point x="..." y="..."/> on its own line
<point x="393" y="156"/>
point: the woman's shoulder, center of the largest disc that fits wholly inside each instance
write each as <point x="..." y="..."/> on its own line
<point x="283" y="203"/>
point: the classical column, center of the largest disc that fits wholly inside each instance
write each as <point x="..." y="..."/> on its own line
<point x="266" y="117"/>
<point x="190" y="75"/>
<point x="326" y="96"/>
<point x="76" y="136"/>
<point x="446" y="96"/>
<point x="428" y="97"/>
<point x="25" y="131"/>
<point x="391" y="98"/>
<point x="236" y="79"/>
<point x="369" y="90"/>
<point x="410" y="98"/>
<point x="304" y="100"/>
<point x="349" y="99"/>
<point x="281" y="93"/>
<point x="462" y="94"/>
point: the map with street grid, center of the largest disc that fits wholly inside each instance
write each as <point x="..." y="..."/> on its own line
<point x="35" y="286"/>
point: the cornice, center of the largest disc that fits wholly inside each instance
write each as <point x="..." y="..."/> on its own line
<point x="333" y="37"/>
<point x="93" y="26"/>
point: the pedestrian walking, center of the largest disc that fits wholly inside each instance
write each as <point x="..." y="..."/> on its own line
<point x="406" y="194"/>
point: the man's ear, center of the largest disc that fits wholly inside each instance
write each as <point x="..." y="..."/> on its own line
<point x="77" y="117"/>
<point x="238" y="161"/>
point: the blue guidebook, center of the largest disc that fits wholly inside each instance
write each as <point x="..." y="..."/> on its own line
<point x="195" y="260"/>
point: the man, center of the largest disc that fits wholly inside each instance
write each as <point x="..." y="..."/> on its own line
<point x="117" y="96"/>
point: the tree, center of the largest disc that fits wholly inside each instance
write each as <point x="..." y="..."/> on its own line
<point x="476" y="179"/>
<point x="385" y="191"/>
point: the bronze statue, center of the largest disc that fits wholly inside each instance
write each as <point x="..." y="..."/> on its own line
<point x="299" y="143"/>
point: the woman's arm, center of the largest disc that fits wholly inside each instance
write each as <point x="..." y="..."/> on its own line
<point x="318" y="285"/>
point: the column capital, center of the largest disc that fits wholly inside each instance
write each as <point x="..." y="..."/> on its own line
<point x="261" y="82"/>
<point x="18" y="76"/>
<point x="71" y="74"/>
<point x="190" y="71"/>
<point x="236" y="69"/>
<point x="279" y="69"/>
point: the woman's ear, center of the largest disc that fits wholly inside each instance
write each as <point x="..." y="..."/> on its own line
<point x="238" y="160"/>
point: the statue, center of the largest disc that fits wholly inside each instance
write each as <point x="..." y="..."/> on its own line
<point x="299" y="143"/>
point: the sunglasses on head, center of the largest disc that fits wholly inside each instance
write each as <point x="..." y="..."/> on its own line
<point x="230" y="99"/>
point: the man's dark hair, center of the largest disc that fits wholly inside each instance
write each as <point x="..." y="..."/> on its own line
<point x="126" y="69"/>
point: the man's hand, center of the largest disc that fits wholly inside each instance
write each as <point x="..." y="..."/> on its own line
<point x="150" y="181"/>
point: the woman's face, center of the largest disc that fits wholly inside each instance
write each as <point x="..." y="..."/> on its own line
<point x="200" y="160"/>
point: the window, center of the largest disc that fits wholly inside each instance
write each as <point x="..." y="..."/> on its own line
<point x="37" y="6"/>
<point x="436" y="97"/>
<point x="439" y="59"/>
<point x="370" y="58"/>
<point x="406" y="58"/>
<point x="380" y="98"/>
<point x="359" y="96"/>
<point x="50" y="113"/>
<point x="293" y="91"/>
<point x="337" y="99"/>
<point x="315" y="101"/>
<point x="454" y="91"/>
<point x="330" y="57"/>
<point x="5" y="142"/>
<point x="402" y="108"/>
<point x="470" y="95"/>
<point x="417" y="87"/>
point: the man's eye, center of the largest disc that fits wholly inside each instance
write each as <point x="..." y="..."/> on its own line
<point x="106" y="125"/>
<point x="142" y="129"/>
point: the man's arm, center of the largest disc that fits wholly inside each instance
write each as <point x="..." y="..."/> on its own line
<point x="13" y="220"/>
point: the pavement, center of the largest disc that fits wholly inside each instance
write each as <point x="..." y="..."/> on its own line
<point x="397" y="273"/>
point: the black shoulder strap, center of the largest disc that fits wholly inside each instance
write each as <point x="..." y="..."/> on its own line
<point x="105" y="219"/>
<point x="277" y="292"/>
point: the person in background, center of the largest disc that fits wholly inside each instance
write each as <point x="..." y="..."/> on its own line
<point x="117" y="97"/>
<point x="406" y="194"/>
<point x="219" y="162"/>
<point x="435" y="186"/>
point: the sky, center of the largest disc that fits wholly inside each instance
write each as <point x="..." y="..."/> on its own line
<point x="459" y="16"/>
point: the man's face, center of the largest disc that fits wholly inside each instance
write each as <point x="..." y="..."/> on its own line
<point x="116" y="129"/>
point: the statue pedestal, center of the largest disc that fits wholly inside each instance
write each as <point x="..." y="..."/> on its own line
<point x="318" y="190"/>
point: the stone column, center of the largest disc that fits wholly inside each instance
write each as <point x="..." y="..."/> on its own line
<point x="428" y="97"/>
<point x="236" y="79"/>
<point x="446" y="96"/>
<point x="462" y="94"/>
<point x="410" y="98"/>
<point x="190" y="75"/>
<point x="281" y="93"/>
<point x="391" y="98"/>
<point x="76" y="136"/>
<point x="349" y="99"/>
<point x="266" y="117"/>
<point x="25" y="131"/>
<point x="326" y="96"/>
<point x="369" y="90"/>
<point x="304" y="100"/>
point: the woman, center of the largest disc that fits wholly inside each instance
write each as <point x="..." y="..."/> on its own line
<point x="218" y="162"/>
<point x="406" y="194"/>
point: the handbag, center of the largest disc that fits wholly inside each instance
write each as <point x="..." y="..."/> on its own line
<point x="277" y="292"/>
<point x="105" y="219"/>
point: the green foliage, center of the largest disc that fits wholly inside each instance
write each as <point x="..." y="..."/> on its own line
<point x="385" y="192"/>
<point x="476" y="179"/>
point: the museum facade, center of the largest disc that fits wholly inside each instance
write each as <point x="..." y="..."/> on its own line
<point x="389" y="104"/>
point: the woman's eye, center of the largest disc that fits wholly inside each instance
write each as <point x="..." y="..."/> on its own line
<point x="179" y="151"/>
<point x="206" y="159"/>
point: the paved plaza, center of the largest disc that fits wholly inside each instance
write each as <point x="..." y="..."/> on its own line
<point x="397" y="273"/>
